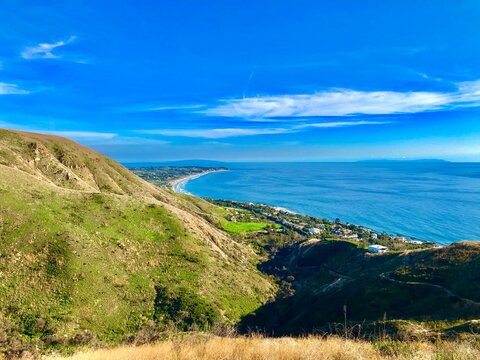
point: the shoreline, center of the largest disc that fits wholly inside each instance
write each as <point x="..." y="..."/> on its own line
<point x="176" y="183"/>
<point x="398" y="237"/>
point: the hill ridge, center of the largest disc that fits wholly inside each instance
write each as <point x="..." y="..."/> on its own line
<point x="90" y="252"/>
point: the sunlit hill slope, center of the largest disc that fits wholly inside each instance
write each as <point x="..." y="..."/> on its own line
<point x="90" y="251"/>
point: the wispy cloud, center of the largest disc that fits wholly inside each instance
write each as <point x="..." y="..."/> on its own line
<point x="75" y="135"/>
<point x="336" y="124"/>
<point x="45" y="50"/>
<point x="81" y="135"/>
<point x="236" y="132"/>
<point x="174" y="107"/>
<point x="11" y="89"/>
<point x="347" y="102"/>
<point x="215" y="133"/>
<point x="167" y="107"/>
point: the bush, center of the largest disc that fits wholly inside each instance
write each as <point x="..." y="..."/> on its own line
<point x="184" y="308"/>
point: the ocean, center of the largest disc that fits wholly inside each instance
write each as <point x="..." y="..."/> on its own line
<point x="430" y="201"/>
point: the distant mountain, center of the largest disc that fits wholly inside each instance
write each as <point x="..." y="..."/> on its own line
<point x="404" y="161"/>
<point x="200" y="163"/>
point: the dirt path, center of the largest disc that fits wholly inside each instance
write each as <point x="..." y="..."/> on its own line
<point x="386" y="276"/>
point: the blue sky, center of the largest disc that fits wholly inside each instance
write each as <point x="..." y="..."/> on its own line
<point x="246" y="80"/>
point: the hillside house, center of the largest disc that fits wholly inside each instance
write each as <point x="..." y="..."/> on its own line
<point x="378" y="249"/>
<point x="314" y="231"/>
<point x="352" y="237"/>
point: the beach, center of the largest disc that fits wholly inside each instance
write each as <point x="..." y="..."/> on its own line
<point x="429" y="201"/>
<point x="178" y="185"/>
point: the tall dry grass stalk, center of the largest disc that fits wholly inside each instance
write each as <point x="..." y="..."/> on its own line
<point x="259" y="348"/>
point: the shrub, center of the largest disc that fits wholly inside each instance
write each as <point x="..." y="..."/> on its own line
<point x="184" y="308"/>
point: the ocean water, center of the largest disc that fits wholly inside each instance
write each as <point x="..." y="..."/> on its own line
<point x="434" y="201"/>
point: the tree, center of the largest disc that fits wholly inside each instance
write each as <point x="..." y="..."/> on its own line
<point x="385" y="236"/>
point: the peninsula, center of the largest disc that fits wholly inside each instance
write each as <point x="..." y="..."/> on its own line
<point x="178" y="185"/>
<point x="171" y="176"/>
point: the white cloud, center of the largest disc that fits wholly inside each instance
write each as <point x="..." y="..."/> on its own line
<point x="175" y="107"/>
<point x="215" y="133"/>
<point x="234" y="132"/>
<point x="335" y="124"/>
<point x="11" y="89"/>
<point x="81" y="135"/>
<point x="45" y="50"/>
<point x="346" y="102"/>
<point x="76" y="135"/>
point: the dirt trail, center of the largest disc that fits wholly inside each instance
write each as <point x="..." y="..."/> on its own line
<point x="386" y="276"/>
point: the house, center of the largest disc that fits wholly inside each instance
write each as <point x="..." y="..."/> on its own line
<point x="377" y="248"/>
<point x="314" y="231"/>
<point x="352" y="237"/>
<point x="414" y="242"/>
<point x="336" y="232"/>
<point x="374" y="236"/>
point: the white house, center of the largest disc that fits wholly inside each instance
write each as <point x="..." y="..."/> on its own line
<point x="377" y="248"/>
<point x="314" y="231"/>
<point x="415" y="242"/>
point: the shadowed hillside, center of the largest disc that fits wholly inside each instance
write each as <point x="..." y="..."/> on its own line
<point x="324" y="276"/>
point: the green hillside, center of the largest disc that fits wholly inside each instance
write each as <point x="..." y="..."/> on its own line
<point x="90" y="253"/>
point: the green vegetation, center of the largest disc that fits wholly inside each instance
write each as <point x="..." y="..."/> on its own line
<point x="319" y="278"/>
<point x="103" y="266"/>
<point x="183" y="308"/>
<point x="308" y="226"/>
<point x="92" y="255"/>
<point x="235" y="227"/>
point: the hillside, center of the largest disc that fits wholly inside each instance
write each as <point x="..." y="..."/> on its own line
<point x="90" y="252"/>
<point x="92" y="255"/>
<point x="433" y="285"/>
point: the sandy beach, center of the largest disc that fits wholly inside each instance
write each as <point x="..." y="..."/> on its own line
<point x="175" y="184"/>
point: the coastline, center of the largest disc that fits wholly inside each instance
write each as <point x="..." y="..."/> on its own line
<point x="177" y="184"/>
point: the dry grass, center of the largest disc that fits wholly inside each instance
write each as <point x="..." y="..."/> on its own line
<point x="258" y="348"/>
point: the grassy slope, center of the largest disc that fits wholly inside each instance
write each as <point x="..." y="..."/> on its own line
<point x="235" y="227"/>
<point x="89" y="250"/>
<point x="308" y="348"/>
